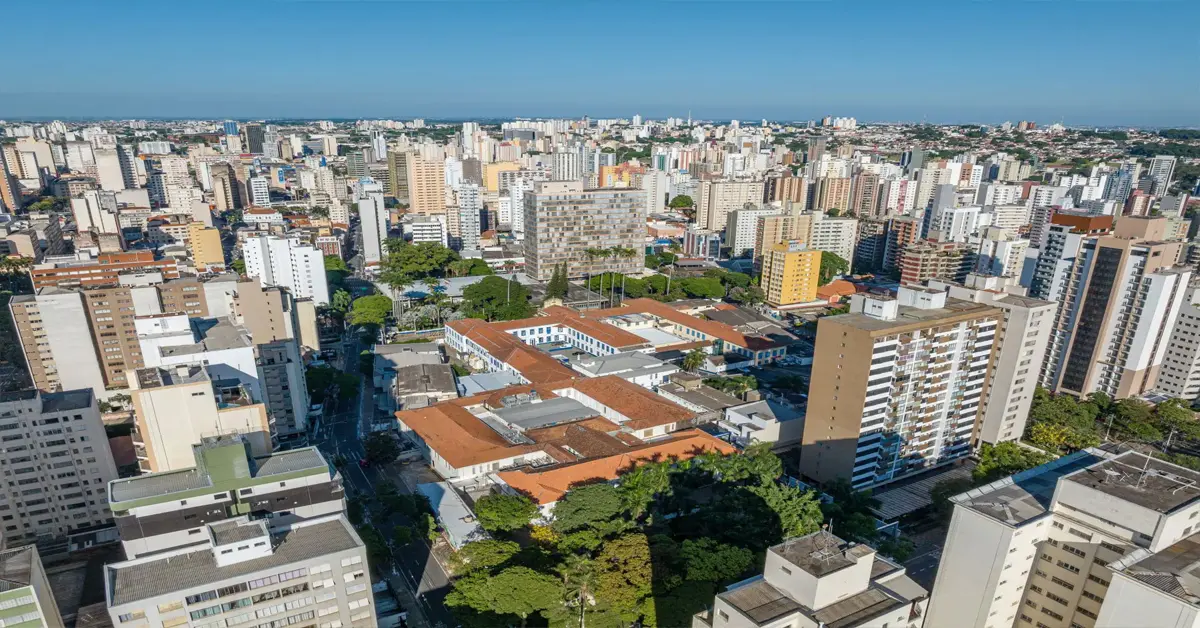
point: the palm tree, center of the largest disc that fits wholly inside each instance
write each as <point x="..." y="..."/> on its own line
<point x="693" y="360"/>
<point x="579" y="575"/>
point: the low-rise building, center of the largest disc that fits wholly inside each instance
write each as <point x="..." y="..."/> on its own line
<point x="27" y="599"/>
<point x="642" y="369"/>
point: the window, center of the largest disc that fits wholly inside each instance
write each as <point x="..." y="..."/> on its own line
<point x="131" y="616"/>
<point x="169" y="606"/>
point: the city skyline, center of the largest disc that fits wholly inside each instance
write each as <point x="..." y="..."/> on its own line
<point x="780" y="60"/>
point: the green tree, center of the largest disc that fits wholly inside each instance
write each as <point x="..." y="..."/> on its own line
<point x="831" y="266"/>
<point x="505" y="513"/>
<point x="702" y="287"/>
<point x="366" y="363"/>
<point x="518" y="591"/>
<point x="497" y="299"/>
<point x="239" y="266"/>
<point x="406" y="263"/>
<point x="340" y="302"/>
<point x="590" y="505"/>
<point x="469" y="268"/>
<point x="624" y="575"/>
<point x="484" y="555"/>
<point x="381" y="448"/>
<point x="750" y="295"/>
<point x="337" y="264"/>
<point x="709" y="560"/>
<point x="557" y="288"/>
<point x="681" y="201"/>
<point x="693" y="360"/>
<point x="378" y="551"/>
<point x="402" y="535"/>
<point x="1005" y="459"/>
<point x="370" y="310"/>
<point x="798" y="510"/>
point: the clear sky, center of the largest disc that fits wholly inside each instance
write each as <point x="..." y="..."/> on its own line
<point x="1119" y="62"/>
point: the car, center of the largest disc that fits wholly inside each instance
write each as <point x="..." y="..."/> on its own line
<point x="364" y="463"/>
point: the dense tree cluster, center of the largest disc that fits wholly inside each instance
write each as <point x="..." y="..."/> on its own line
<point x="653" y="547"/>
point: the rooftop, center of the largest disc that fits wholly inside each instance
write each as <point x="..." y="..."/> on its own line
<point x="67" y="400"/>
<point x="16" y="567"/>
<point x="215" y="335"/>
<point x="156" y="377"/>
<point x="1174" y="570"/>
<point x="1026" y="495"/>
<point x="544" y="413"/>
<point x="236" y="531"/>
<point x="820" y="553"/>
<point x="142" y="579"/>
<point x="955" y="310"/>
<point x="1142" y="480"/>
<point x="425" y="378"/>
<point x="222" y="464"/>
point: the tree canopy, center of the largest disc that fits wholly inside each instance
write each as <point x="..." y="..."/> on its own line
<point x="406" y="262"/>
<point x="370" y="310"/>
<point x="681" y="201"/>
<point x="497" y="299"/>
<point x="831" y="266"/>
<point x="504" y="513"/>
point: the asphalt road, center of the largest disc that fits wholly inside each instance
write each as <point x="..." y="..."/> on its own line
<point x="340" y="435"/>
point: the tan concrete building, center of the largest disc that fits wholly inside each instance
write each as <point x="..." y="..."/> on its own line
<point x="790" y="274"/>
<point x="176" y="407"/>
<point x="833" y="193"/>
<point x="204" y="244"/>
<point x="897" y="386"/>
<point x="491" y="173"/>
<point x="717" y="198"/>
<point x="772" y="230"/>
<point x="426" y="185"/>
<point x="397" y="168"/>
<point x="1112" y="333"/>
<point x="785" y="188"/>
<point x="865" y="199"/>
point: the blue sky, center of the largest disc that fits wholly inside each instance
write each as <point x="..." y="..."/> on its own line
<point x="1120" y="62"/>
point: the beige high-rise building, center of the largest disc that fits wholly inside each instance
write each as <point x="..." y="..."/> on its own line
<point x="565" y="222"/>
<point x="897" y="386"/>
<point x="397" y="166"/>
<point x="491" y="173"/>
<point x="426" y="185"/>
<point x="865" y="199"/>
<point x="175" y="407"/>
<point x="833" y="193"/>
<point x="58" y="464"/>
<point x="225" y="188"/>
<point x="779" y="228"/>
<point x="204" y="243"/>
<point x="718" y="198"/>
<point x="787" y="188"/>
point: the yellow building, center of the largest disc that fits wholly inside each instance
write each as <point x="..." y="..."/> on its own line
<point x="491" y="173"/>
<point x="790" y="273"/>
<point x="205" y="245"/>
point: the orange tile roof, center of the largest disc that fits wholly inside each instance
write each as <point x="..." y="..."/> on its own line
<point x="837" y="288"/>
<point x="645" y="409"/>
<point x="549" y="485"/>
<point x="458" y="436"/>
<point x="664" y="311"/>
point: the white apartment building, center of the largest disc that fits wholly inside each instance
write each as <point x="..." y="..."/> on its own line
<point x="999" y="194"/>
<point x="58" y="463"/>
<point x="1001" y="253"/>
<point x="1021" y="342"/>
<point x="96" y="210"/>
<point x="657" y="185"/>
<point x="837" y="235"/>
<point x="1093" y="539"/>
<point x="429" y="229"/>
<point x="820" y="580"/>
<point x="372" y="219"/>
<point x="741" y="228"/>
<point x="108" y="169"/>
<point x="566" y="166"/>
<point x="287" y="263"/>
<point x="1180" y="373"/>
<point x="260" y="191"/>
<point x="715" y="199"/>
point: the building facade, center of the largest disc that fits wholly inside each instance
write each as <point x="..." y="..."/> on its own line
<point x="591" y="231"/>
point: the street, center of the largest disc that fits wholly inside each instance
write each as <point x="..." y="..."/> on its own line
<point x="415" y="569"/>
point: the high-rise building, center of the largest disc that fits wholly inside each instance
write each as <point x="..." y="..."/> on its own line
<point x="59" y="463"/>
<point x="567" y="224"/>
<point x="372" y="220"/>
<point x="786" y="187"/>
<point x="1119" y="297"/>
<point x="773" y="229"/>
<point x="790" y="274"/>
<point x="227" y="193"/>
<point x="1095" y="538"/>
<point x="927" y="260"/>
<point x="865" y="196"/>
<point x="230" y="127"/>
<point x="288" y="263"/>
<point x="260" y="191"/>
<point x="29" y="600"/>
<point x="398" y="174"/>
<point x="204" y="244"/>
<point x="255" y="138"/>
<point x="741" y="228"/>
<point x="833" y="234"/>
<point x="566" y="166"/>
<point x="1000" y="253"/>
<point x="819" y="580"/>
<point x="715" y="199"/>
<point x="1180" y="374"/>
<point x="896" y="385"/>
<point x="1161" y="170"/>
<point x="109" y="174"/>
<point x="872" y="244"/>
<point x="195" y="551"/>
<point x="426" y="185"/>
<point x="1021" y="342"/>
<point x="832" y="193"/>
<point x="468" y="229"/>
<point x="103" y="270"/>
